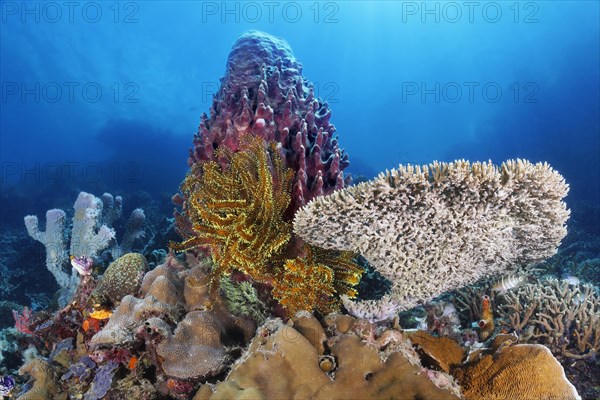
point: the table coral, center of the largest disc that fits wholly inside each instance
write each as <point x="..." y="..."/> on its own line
<point x="434" y="228"/>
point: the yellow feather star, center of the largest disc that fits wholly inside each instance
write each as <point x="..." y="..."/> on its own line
<point x="235" y="207"/>
<point x="311" y="282"/>
<point x="237" y="211"/>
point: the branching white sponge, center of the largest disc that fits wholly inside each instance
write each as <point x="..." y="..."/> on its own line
<point x="56" y="244"/>
<point x="438" y="227"/>
<point x="88" y="237"/>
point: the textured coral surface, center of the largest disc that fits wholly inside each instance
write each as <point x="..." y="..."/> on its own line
<point x="282" y="363"/>
<point x="122" y="277"/>
<point x="44" y="386"/>
<point x="556" y="313"/>
<point x="187" y="328"/>
<point x="518" y="372"/>
<point x="264" y="93"/>
<point x="438" y="227"/>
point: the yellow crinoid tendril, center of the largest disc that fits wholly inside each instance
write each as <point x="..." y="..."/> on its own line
<point x="310" y="282"/>
<point x="235" y="208"/>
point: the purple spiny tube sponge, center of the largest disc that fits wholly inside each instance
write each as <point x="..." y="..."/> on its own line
<point x="264" y="93"/>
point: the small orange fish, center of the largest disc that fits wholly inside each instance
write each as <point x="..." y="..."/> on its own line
<point x="132" y="362"/>
<point x="171" y="383"/>
<point x="100" y="314"/>
<point x="486" y="324"/>
<point x="91" y="323"/>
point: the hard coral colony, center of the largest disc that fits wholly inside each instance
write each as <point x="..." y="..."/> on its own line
<point x="260" y="223"/>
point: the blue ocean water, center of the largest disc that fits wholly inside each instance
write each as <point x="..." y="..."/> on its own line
<point x="107" y="96"/>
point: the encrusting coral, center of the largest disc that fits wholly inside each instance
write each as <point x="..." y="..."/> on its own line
<point x="170" y="320"/>
<point x="347" y="358"/>
<point x="282" y="363"/>
<point x="44" y="381"/>
<point x="197" y="338"/>
<point x="435" y="228"/>
<point x="440" y="352"/>
<point x="128" y="317"/>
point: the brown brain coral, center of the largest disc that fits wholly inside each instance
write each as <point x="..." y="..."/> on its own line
<point x="372" y="362"/>
<point x="122" y="277"/>
<point x="518" y="372"/>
